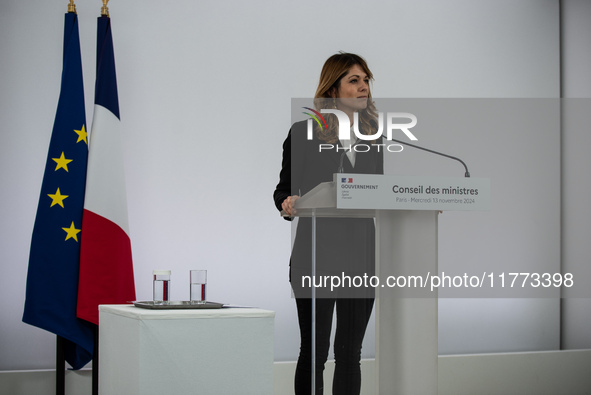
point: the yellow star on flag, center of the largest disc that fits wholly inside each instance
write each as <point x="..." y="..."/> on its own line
<point x="62" y="162"/>
<point x="81" y="135"/>
<point x="72" y="232"/>
<point x="57" y="198"/>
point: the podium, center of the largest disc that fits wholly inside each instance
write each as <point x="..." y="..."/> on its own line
<point x="406" y="211"/>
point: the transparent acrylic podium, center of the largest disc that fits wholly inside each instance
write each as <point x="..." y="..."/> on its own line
<point x="406" y="211"/>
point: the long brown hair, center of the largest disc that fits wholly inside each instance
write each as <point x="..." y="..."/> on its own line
<point x="334" y="69"/>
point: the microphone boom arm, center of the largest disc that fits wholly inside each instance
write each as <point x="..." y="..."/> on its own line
<point x="467" y="174"/>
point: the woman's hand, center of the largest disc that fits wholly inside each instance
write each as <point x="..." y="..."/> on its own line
<point x="288" y="205"/>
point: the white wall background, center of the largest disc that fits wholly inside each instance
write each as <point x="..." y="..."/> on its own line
<point x="205" y="91"/>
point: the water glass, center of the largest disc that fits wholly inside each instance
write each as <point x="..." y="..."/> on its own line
<point x="198" y="286"/>
<point x="161" y="286"/>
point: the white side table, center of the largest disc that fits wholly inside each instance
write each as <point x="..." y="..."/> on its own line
<point x="217" y="352"/>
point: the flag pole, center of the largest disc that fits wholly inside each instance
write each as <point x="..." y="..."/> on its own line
<point x="95" y="362"/>
<point x="60" y="356"/>
<point x="95" y="355"/>
<point x="60" y="367"/>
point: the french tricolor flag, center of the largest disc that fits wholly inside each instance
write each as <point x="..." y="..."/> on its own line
<point x="106" y="268"/>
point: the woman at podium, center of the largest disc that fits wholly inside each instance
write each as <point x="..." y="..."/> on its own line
<point x="345" y="247"/>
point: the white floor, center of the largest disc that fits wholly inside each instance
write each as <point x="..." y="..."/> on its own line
<point x="534" y="373"/>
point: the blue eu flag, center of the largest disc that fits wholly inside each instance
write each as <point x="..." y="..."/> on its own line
<point x="52" y="279"/>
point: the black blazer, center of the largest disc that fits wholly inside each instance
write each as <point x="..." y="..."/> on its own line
<point x="304" y="166"/>
<point x="343" y="245"/>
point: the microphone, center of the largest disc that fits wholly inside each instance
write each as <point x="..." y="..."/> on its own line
<point x="467" y="174"/>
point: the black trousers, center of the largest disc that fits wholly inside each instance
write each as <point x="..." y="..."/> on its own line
<point x="352" y="316"/>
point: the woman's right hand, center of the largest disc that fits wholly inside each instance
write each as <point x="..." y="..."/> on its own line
<point x="288" y="205"/>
